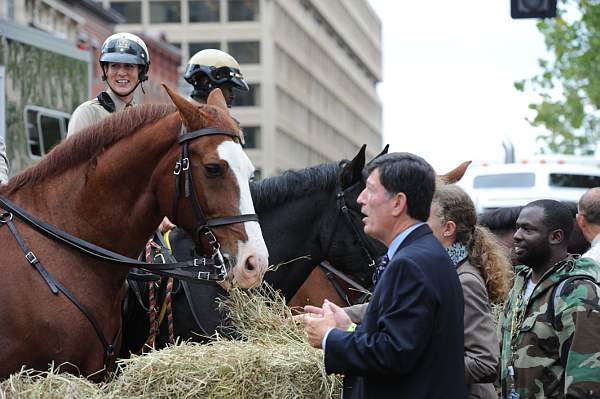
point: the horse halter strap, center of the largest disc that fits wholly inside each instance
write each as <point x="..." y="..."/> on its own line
<point x="185" y="181"/>
<point x="345" y="211"/>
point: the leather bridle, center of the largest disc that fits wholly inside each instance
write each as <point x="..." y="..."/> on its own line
<point x="184" y="181"/>
<point x="343" y="210"/>
<point x="192" y="270"/>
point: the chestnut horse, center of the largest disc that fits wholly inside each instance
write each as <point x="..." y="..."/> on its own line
<point x="322" y="284"/>
<point x="111" y="184"/>
<point x="307" y="216"/>
<point x="306" y="212"/>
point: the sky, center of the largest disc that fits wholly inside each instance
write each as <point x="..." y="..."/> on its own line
<point x="448" y="74"/>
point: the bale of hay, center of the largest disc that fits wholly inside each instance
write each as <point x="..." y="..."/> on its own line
<point x="51" y="384"/>
<point x="271" y="360"/>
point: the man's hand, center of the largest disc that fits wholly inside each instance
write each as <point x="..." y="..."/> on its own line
<point x="342" y="320"/>
<point x="316" y="327"/>
<point x="317" y="321"/>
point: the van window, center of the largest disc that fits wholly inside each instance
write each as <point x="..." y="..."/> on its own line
<point x="504" y="180"/>
<point x="574" y="181"/>
<point x="45" y="128"/>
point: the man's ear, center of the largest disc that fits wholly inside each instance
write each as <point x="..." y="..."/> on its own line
<point x="580" y="221"/>
<point x="556" y="237"/>
<point x="400" y="204"/>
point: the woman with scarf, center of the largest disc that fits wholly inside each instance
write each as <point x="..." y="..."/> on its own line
<point x="485" y="274"/>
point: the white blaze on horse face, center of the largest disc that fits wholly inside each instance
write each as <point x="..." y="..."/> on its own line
<point x="252" y="257"/>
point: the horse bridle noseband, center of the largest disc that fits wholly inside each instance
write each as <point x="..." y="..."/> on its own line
<point x="185" y="181"/>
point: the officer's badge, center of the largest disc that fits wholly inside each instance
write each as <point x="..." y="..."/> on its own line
<point x="122" y="44"/>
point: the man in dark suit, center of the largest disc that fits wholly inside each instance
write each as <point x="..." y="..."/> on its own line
<point x="410" y="342"/>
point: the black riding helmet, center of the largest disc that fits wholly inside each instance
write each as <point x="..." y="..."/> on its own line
<point x="209" y="68"/>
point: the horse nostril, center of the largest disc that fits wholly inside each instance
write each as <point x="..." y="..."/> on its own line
<point x="250" y="266"/>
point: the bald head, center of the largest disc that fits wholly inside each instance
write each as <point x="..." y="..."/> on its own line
<point x="588" y="216"/>
<point x="589" y="205"/>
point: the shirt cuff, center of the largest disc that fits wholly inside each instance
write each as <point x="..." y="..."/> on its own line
<point x="325" y="338"/>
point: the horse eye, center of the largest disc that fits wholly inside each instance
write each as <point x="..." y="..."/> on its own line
<point x="213" y="170"/>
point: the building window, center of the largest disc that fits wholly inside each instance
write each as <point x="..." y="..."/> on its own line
<point x="131" y="10"/>
<point x="194" y="47"/>
<point x="245" y="52"/>
<point x="204" y="10"/>
<point x="165" y="12"/>
<point x="45" y="129"/>
<point x="248" y="98"/>
<point x="243" y="10"/>
<point x="251" y="137"/>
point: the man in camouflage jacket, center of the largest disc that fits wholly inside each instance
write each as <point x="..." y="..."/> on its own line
<point x="551" y="325"/>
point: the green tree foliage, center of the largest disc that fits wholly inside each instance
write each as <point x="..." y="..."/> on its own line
<point x="569" y="84"/>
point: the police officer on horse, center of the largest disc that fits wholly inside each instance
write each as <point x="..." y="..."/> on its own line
<point x="207" y="70"/>
<point x="125" y="61"/>
<point x="210" y="69"/>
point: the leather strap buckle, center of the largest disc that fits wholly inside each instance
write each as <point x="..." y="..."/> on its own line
<point x="31" y="258"/>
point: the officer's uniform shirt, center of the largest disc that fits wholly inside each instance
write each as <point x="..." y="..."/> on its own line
<point x="92" y="111"/>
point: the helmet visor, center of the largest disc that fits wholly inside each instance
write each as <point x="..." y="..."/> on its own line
<point x="122" y="58"/>
<point x="227" y="74"/>
<point x="124" y="51"/>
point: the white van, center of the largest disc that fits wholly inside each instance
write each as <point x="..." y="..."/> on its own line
<point x="506" y="185"/>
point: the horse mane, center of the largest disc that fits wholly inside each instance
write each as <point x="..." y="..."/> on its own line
<point x="500" y="218"/>
<point x="506" y="218"/>
<point x="292" y="184"/>
<point x="89" y="143"/>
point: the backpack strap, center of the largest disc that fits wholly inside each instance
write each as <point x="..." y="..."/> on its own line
<point x="557" y="292"/>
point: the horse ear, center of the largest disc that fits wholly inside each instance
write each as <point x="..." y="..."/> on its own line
<point x="216" y="99"/>
<point x="383" y="152"/>
<point x="455" y="174"/>
<point x="352" y="171"/>
<point x="186" y="108"/>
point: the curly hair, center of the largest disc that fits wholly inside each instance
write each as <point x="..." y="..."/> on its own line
<point x="485" y="251"/>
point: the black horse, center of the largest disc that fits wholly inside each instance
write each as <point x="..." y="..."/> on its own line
<point x="306" y="217"/>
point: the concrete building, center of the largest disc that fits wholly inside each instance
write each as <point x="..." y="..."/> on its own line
<point x="312" y="65"/>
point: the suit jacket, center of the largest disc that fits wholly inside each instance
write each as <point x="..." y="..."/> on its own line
<point x="482" y="347"/>
<point x="410" y="342"/>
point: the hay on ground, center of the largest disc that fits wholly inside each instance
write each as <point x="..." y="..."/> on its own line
<point x="271" y="360"/>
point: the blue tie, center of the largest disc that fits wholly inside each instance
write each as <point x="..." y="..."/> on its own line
<point x="380" y="268"/>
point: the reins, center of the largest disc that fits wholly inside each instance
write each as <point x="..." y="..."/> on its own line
<point x="193" y="270"/>
<point x="56" y="286"/>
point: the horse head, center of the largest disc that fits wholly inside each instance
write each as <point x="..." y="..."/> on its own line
<point x="209" y="156"/>
<point x="344" y="240"/>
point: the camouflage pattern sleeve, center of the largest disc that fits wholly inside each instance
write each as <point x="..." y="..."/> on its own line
<point x="578" y="330"/>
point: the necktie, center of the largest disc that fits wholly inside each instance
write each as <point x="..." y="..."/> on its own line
<point x="380" y="268"/>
